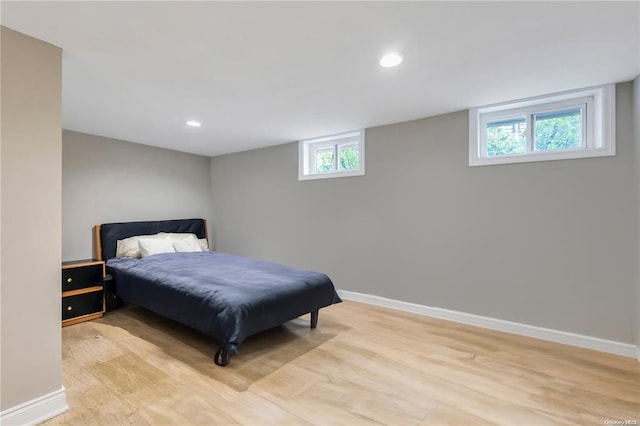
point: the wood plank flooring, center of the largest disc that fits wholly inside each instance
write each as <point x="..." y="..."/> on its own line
<point x="362" y="365"/>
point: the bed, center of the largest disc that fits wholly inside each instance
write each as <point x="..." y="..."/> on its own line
<point x="224" y="296"/>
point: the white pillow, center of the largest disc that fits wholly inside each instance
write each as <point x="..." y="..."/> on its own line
<point x="151" y="246"/>
<point x="129" y="247"/>
<point x="186" y="246"/>
<point x="178" y="236"/>
<point x="204" y="244"/>
<point x="185" y="242"/>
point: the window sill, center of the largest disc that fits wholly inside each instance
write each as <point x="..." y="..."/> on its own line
<point x="330" y="175"/>
<point x="550" y="156"/>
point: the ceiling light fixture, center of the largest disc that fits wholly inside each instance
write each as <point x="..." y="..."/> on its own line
<point x="391" y="60"/>
<point x="194" y="123"/>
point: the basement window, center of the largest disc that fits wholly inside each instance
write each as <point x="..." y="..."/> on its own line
<point x="567" y="125"/>
<point x="331" y="156"/>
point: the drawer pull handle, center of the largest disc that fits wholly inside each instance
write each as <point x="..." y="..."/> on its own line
<point x="69" y="279"/>
<point x="69" y="308"/>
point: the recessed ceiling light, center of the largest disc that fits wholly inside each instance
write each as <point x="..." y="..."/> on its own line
<point x="391" y="60"/>
<point x="194" y="123"/>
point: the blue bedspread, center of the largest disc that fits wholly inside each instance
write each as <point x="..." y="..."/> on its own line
<point x="225" y="296"/>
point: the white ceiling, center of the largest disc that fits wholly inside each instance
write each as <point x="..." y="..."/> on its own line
<point x="265" y="73"/>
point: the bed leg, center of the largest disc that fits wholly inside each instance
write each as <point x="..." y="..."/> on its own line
<point x="314" y="319"/>
<point x="221" y="357"/>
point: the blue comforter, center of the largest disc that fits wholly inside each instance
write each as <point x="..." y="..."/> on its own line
<point x="227" y="297"/>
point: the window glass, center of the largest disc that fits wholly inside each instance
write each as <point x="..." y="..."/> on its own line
<point x="324" y="160"/>
<point x="558" y="130"/>
<point x="348" y="155"/>
<point x="506" y="137"/>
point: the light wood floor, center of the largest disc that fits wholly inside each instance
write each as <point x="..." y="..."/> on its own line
<point x="362" y="365"/>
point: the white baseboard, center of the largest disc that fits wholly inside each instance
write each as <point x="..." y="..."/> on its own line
<point x="557" y="336"/>
<point x="35" y="411"/>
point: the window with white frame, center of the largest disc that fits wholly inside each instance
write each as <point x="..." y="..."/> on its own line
<point x="331" y="156"/>
<point x="575" y="124"/>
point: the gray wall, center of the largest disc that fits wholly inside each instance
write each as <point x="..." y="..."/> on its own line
<point x="106" y="180"/>
<point x="636" y="120"/>
<point x="31" y="354"/>
<point x="550" y="244"/>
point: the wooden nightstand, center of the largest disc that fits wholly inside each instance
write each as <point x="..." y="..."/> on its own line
<point x="82" y="291"/>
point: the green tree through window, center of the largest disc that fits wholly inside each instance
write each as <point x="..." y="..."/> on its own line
<point x="552" y="131"/>
<point x="506" y="137"/>
<point x="558" y="130"/>
<point x="349" y="158"/>
<point x="324" y="160"/>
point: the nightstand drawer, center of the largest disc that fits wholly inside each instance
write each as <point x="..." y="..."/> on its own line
<point x="81" y="277"/>
<point x="82" y="304"/>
